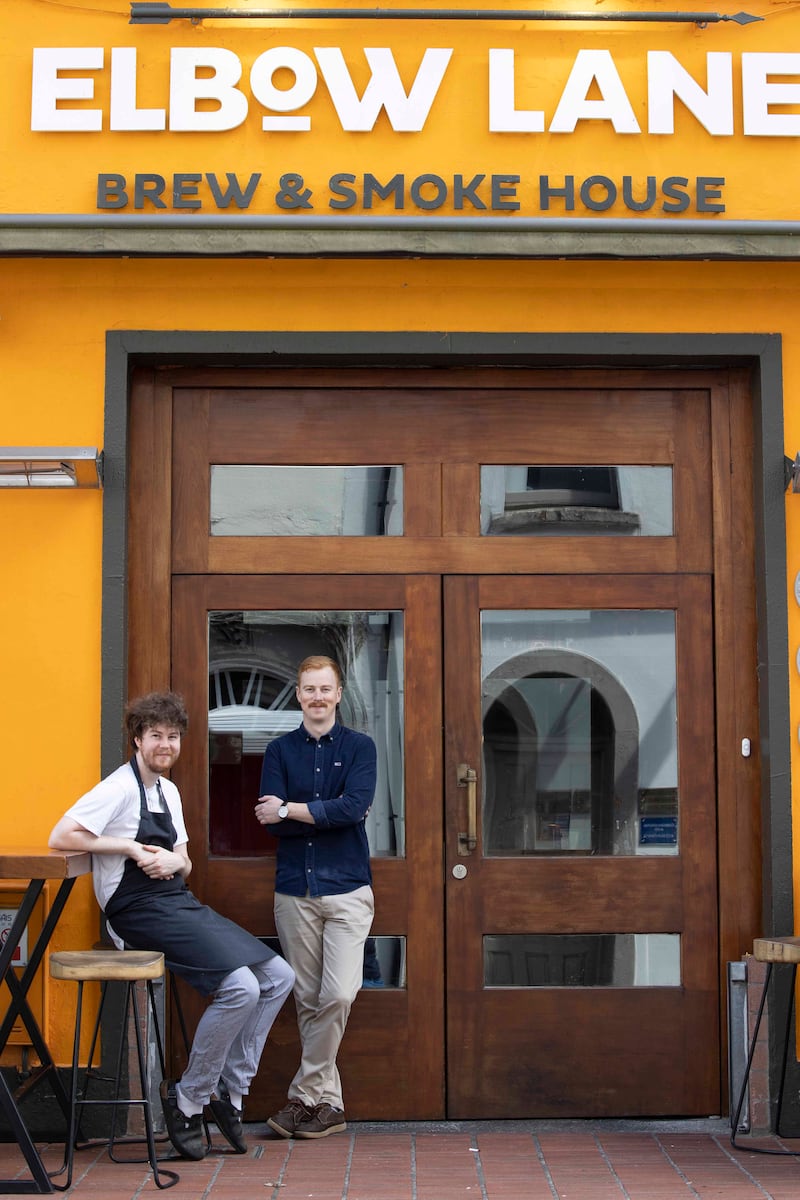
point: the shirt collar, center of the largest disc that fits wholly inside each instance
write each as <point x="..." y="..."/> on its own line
<point x="331" y="736"/>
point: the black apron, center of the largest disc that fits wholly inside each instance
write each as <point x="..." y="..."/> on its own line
<point x="198" y="944"/>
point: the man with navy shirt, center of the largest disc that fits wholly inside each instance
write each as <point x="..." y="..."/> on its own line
<point x="317" y="785"/>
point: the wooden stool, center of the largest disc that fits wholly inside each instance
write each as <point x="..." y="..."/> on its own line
<point x="104" y="967"/>
<point x="772" y="951"/>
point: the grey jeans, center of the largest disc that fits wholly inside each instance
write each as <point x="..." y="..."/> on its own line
<point x="230" y="1038"/>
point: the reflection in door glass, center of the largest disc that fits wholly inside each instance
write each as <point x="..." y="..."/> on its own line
<point x="295" y="501"/>
<point x="560" y="500"/>
<point x="580" y="750"/>
<point x="582" y="960"/>
<point x="384" y="962"/>
<point x="253" y="659"/>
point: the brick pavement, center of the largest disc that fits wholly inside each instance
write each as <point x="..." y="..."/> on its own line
<point x="457" y="1161"/>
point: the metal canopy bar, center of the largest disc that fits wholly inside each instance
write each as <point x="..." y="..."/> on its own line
<point x="153" y="12"/>
<point x="315" y="221"/>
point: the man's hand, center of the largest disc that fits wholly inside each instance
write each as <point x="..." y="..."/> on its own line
<point x="267" y="810"/>
<point x="158" y="863"/>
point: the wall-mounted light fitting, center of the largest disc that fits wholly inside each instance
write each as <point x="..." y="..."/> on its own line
<point x="51" y="466"/>
<point x="791" y="473"/>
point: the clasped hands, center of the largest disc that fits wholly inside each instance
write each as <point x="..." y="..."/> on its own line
<point x="157" y="862"/>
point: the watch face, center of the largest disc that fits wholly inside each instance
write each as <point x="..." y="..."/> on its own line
<point x="283" y="811"/>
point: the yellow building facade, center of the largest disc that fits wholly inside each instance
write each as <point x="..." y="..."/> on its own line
<point x="443" y="242"/>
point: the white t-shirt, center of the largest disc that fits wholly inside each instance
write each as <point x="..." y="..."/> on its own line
<point x="112" y="808"/>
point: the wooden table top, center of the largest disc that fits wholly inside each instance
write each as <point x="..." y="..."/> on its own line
<point x="31" y="862"/>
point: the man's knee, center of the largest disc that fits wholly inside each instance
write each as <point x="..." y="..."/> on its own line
<point x="239" y="990"/>
<point x="279" y="978"/>
<point x="337" y="1001"/>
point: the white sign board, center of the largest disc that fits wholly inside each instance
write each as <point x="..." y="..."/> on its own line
<point x="7" y="916"/>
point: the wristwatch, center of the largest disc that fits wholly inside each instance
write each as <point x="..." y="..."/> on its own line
<point x="283" y="811"/>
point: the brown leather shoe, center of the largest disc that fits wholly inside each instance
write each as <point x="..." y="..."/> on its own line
<point x="286" y="1121"/>
<point x="322" y="1120"/>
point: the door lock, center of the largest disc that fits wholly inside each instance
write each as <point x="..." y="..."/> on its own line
<point x="467" y="777"/>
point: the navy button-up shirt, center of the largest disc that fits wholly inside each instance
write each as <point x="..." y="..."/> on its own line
<point x="335" y="776"/>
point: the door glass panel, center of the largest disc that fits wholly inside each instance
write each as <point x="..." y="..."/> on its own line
<point x="384" y="961"/>
<point x="582" y="960"/>
<point x="580" y="751"/>
<point x="253" y="659"/>
<point x="561" y="500"/>
<point x="294" y="501"/>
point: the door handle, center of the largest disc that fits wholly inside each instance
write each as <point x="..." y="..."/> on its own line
<point x="467" y="777"/>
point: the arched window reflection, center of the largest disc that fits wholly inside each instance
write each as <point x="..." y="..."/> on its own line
<point x="560" y="751"/>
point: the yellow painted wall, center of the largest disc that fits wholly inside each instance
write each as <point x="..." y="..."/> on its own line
<point x="57" y="171"/>
<point x="54" y="314"/>
<point x="53" y="319"/>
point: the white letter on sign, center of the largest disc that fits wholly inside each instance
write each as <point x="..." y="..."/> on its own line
<point x="594" y="66"/>
<point x="185" y="89"/>
<point x="124" y="113"/>
<point x="758" y="95"/>
<point x="406" y="113"/>
<point x="48" y="88"/>
<point x="503" y="116"/>
<point x="666" y="79"/>
<point x="284" y="100"/>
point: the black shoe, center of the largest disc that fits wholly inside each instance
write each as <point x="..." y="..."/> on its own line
<point x="185" y="1133"/>
<point x="286" y="1121"/>
<point x="228" y="1119"/>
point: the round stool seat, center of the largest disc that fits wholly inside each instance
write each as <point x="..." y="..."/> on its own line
<point x="97" y="966"/>
<point x="777" y="950"/>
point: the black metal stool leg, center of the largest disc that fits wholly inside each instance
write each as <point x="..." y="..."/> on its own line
<point x="132" y="1005"/>
<point x="169" y="1176"/>
<point x="69" y="1145"/>
<point x="786" y="1039"/>
<point x="161" y="1177"/>
<point x="118" y="1074"/>
<point x="91" y="1073"/>
<point x="750" y="1056"/>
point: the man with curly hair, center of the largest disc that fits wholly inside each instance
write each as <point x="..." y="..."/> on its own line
<point x="132" y="825"/>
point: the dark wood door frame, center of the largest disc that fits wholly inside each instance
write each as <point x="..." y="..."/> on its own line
<point x="757" y="441"/>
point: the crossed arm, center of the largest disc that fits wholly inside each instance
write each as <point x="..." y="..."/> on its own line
<point x="155" y="861"/>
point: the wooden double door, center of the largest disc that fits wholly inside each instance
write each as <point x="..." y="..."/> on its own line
<point x="517" y="575"/>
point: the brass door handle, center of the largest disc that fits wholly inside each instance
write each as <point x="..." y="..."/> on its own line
<point x="467" y="777"/>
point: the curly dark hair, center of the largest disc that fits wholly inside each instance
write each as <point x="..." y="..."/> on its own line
<point x="156" y="708"/>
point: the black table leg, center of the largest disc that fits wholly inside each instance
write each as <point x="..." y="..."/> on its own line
<point x="40" y="1183"/>
<point x="19" y="1007"/>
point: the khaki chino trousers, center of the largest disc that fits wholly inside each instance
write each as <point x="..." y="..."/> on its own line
<point x="322" y="938"/>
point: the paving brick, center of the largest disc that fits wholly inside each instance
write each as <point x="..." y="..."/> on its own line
<point x="506" y="1161"/>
